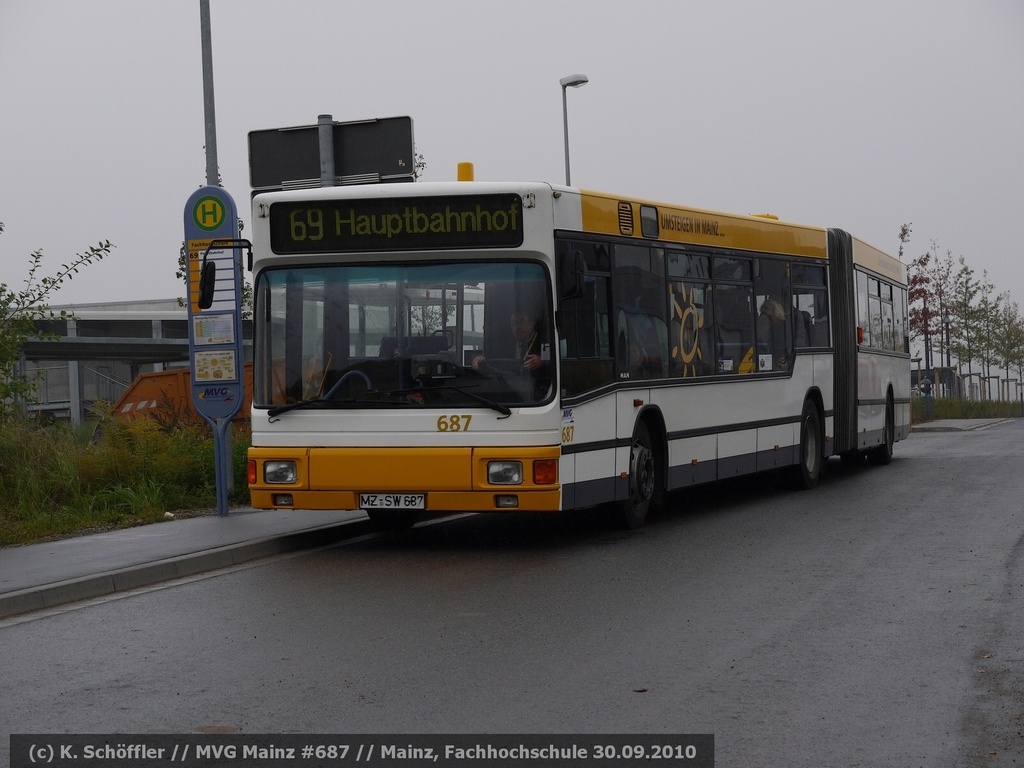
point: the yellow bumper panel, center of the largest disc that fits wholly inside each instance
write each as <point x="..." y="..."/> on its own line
<point x="453" y="479"/>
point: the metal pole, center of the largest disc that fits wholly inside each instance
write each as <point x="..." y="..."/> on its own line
<point x="325" y="125"/>
<point x="927" y="341"/>
<point x="569" y="81"/>
<point x="565" y="131"/>
<point x="223" y="476"/>
<point x="212" y="176"/>
<point x="949" y="362"/>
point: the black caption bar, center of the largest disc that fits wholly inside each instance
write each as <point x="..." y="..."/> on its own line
<point x="385" y="750"/>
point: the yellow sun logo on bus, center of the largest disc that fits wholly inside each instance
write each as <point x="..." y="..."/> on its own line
<point x="691" y="321"/>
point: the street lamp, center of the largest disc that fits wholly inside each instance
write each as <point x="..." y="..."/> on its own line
<point x="569" y="81"/>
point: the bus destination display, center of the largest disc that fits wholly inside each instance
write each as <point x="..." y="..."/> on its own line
<point x="408" y="223"/>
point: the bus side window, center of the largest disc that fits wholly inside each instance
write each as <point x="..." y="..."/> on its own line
<point x="735" y="327"/>
<point x="587" y="362"/>
<point x="641" y="303"/>
<point x="810" y="306"/>
<point x="775" y="330"/>
<point x="819" y="322"/>
<point x="622" y="342"/>
<point x="691" y="348"/>
<point x="801" y="326"/>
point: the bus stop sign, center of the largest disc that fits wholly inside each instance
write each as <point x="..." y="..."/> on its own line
<point x="215" y="330"/>
<point x="215" y="320"/>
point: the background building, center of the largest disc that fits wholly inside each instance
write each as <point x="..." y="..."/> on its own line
<point x="97" y="356"/>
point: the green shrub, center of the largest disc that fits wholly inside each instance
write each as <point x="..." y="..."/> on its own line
<point x="119" y="474"/>
<point x="955" y="408"/>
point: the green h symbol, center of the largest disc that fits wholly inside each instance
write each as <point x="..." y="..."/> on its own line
<point x="208" y="213"/>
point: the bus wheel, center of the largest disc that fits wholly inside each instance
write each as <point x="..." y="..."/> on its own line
<point x="393" y="519"/>
<point x="882" y="455"/>
<point x="643" y="479"/>
<point x="808" y="471"/>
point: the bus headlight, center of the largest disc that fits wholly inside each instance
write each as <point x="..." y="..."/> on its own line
<point x="505" y="472"/>
<point x="279" y="472"/>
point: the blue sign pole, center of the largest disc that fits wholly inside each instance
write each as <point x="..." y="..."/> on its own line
<point x="215" y="321"/>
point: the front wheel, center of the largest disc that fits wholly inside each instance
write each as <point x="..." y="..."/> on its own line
<point x="643" y="480"/>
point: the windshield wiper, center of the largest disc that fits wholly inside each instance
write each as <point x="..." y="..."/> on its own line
<point x="277" y="410"/>
<point x="504" y="410"/>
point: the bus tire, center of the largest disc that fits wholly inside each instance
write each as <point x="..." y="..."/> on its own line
<point x="882" y="455"/>
<point x="393" y="519"/>
<point x="807" y="473"/>
<point x="643" y="479"/>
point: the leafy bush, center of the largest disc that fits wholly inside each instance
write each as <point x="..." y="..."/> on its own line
<point x="954" y="408"/>
<point x="120" y="474"/>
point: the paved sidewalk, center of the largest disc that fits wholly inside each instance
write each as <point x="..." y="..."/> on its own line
<point x="39" y="576"/>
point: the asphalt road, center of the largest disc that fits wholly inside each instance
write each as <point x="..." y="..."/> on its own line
<point x="874" y="621"/>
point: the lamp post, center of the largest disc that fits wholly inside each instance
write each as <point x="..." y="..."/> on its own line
<point x="928" y="352"/>
<point x="212" y="171"/>
<point x="569" y="81"/>
<point x="945" y="323"/>
<point x="949" y="365"/>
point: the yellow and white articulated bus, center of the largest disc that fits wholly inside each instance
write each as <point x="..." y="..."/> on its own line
<point x="488" y="347"/>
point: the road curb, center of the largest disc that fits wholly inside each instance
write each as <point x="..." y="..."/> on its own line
<point x="958" y="425"/>
<point x="147" y="574"/>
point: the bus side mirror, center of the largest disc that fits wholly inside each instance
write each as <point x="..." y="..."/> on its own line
<point x="207" y="280"/>
<point x="572" y="268"/>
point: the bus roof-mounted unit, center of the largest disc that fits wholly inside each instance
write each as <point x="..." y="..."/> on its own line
<point x="332" y="154"/>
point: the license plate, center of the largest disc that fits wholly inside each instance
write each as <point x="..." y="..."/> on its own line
<point x="392" y="501"/>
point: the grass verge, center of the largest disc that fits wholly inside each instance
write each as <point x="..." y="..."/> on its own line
<point x="61" y="479"/>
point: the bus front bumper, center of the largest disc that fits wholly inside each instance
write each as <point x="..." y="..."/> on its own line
<point x="430" y="479"/>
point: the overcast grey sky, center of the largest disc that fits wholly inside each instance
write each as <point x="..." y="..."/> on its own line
<point x="860" y="114"/>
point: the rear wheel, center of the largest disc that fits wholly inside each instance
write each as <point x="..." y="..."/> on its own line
<point x="643" y="479"/>
<point x="808" y="471"/>
<point x="882" y="455"/>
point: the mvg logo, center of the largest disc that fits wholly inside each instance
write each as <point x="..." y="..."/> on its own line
<point x="215" y="393"/>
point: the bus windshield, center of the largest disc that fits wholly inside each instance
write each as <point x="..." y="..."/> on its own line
<point x="416" y="335"/>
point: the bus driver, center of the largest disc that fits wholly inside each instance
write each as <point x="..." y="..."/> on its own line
<point x="527" y="343"/>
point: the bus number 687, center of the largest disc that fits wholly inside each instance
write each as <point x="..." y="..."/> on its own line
<point x="454" y="423"/>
